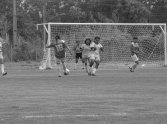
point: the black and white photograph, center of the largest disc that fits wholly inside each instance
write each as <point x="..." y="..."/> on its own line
<point x="83" y="62"/>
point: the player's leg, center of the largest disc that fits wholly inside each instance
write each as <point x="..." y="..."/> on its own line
<point x="97" y="63"/>
<point x="66" y="71"/>
<point x="91" y="63"/>
<point x="135" y="65"/>
<point x="136" y="60"/>
<point x="76" y="60"/>
<point x="84" y="61"/>
<point x="59" y="67"/>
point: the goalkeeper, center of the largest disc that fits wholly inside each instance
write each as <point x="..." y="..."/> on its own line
<point x="60" y="53"/>
<point x="134" y="49"/>
<point x="78" y="53"/>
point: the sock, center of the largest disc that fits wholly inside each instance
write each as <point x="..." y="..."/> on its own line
<point x="86" y="67"/>
<point x="2" y="68"/>
<point x="91" y="69"/>
<point x="134" y="66"/>
<point x="64" y="67"/>
<point x="59" y="69"/>
<point x="94" y="71"/>
<point x="83" y="65"/>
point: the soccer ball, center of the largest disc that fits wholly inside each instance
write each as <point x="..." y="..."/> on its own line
<point x="67" y="72"/>
<point x="143" y="65"/>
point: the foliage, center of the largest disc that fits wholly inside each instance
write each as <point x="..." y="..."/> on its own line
<point x="30" y="13"/>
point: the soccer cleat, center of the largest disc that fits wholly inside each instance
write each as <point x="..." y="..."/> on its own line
<point x="5" y="73"/>
<point x="131" y="70"/>
<point x="89" y="74"/>
<point x="59" y="76"/>
<point x="65" y="73"/>
<point x="93" y="75"/>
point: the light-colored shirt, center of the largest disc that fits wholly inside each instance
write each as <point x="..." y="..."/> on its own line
<point x="85" y="49"/>
<point x="97" y="46"/>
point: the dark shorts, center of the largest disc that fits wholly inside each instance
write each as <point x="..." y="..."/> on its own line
<point x="78" y="56"/>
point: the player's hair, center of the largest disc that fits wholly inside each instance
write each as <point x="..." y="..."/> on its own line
<point x="57" y="37"/>
<point x="89" y="41"/>
<point x="97" y="37"/>
<point x="135" y="38"/>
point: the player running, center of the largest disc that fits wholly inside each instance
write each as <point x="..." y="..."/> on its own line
<point x="78" y="53"/>
<point x="1" y="57"/>
<point x="96" y="47"/>
<point x="134" y="49"/>
<point x="85" y="52"/>
<point x="60" y="53"/>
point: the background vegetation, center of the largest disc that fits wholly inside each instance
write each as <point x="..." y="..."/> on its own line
<point x="30" y="12"/>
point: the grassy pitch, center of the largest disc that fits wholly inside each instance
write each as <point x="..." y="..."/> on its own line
<point x="114" y="96"/>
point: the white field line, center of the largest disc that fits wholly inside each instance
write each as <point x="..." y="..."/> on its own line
<point x="87" y="116"/>
<point x="74" y="116"/>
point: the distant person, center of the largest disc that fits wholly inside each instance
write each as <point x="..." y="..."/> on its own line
<point x="78" y="53"/>
<point x="1" y="56"/>
<point x="85" y="52"/>
<point x="60" y="53"/>
<point x="134" y="49"/>
<point x="96" y="48"/>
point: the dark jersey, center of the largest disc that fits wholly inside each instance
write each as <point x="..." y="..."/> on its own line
<point x="134" y="48"/>
<point x="59" y="48"/>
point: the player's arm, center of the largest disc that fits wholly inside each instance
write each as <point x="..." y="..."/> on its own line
<point x="141" y="51"/>
<point x="92" y="47"/>
<point x="68" y="49"/>
<point x="49" y="46"/>
<point x="132" y="49"/>
<point x="101" y="48"/>
<point x="82" y="47"/>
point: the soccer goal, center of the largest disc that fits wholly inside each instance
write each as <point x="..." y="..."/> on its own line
<point x="115" y="38"/>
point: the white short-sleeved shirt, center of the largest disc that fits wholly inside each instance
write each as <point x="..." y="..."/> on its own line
<point x="97" y="46"/>
<point x="85" y="49"/>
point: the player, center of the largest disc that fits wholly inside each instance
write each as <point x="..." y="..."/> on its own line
<point x="1" y="56"/>
<point x="85" y="52"/>
<point x="134" y="49"/>
<point x="96" y="48"/>
<point x="78" y="53"/>
<point x="60" y="53"/>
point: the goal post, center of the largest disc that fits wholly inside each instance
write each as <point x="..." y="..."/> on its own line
<point x="115" y="38"/>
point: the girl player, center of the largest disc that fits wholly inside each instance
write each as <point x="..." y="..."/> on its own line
<point x="60" y="53"/>
<point x="85" y="52"/>
<point x="78" y="53"/>
<point x="96" y="47"/>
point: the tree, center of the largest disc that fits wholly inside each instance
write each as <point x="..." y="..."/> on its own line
<point x="158" y="10"/>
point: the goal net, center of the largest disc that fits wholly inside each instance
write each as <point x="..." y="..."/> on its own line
<point x="115" y="38"/>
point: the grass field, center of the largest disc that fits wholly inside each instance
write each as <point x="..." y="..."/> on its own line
<point x="114" y="96"/>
